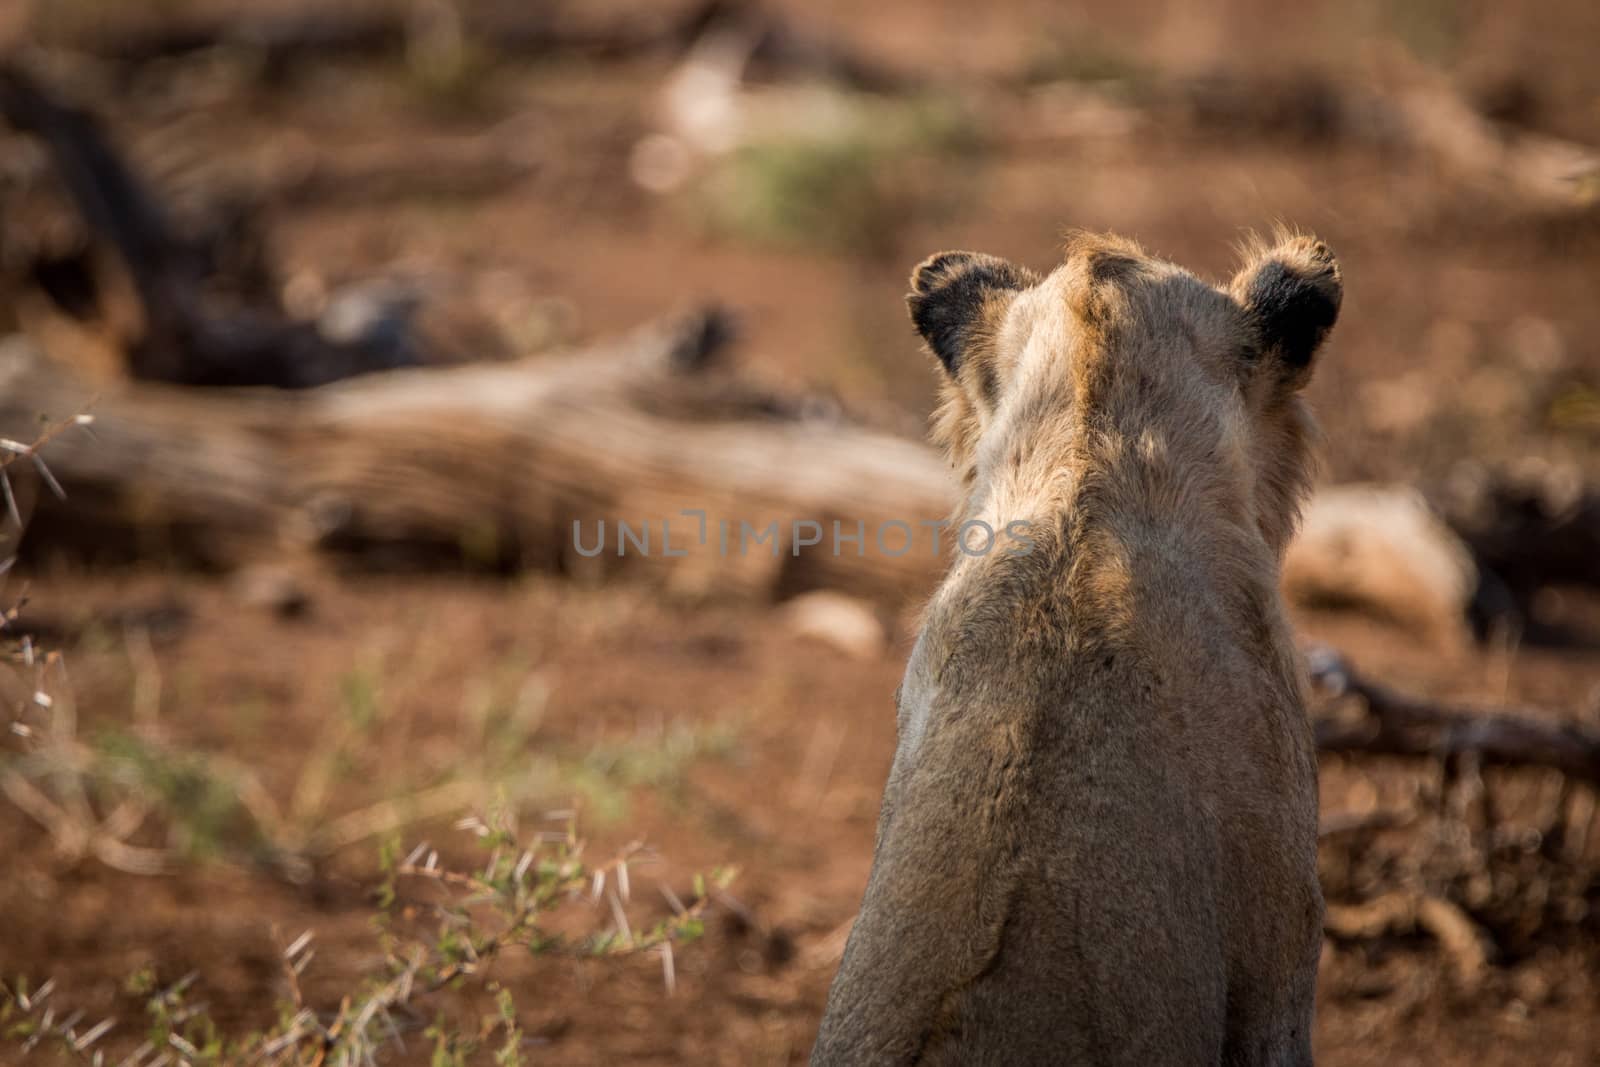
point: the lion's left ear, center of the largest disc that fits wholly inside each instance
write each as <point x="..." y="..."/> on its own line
<point x="950" y="293"/>
<point x="1292" y="291"/>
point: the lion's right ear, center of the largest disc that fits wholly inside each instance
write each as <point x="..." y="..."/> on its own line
<point x="1292" y="291"/>
<point x="952" y="292"/>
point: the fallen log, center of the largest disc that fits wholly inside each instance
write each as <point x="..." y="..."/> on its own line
<point x="723" y="487"/>
<point x="1393" y="723"/>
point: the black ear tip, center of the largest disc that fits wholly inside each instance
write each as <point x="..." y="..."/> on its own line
<point x="1294" y="292"/>
<point x="1295" y="312"/>
<point x="951" y="293"/>
<point x="1315" y="262"/>
<point x="937" y="269"/>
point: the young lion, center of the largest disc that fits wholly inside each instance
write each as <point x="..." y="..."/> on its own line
<point x="1098" y="841"/>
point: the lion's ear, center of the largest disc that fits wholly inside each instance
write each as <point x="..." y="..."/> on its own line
<point x="1292" y="291"/>
<point x="952" y="292"/>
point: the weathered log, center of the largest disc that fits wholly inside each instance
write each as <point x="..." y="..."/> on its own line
<point x="490" y="466"/>
<point x="1395" y="724"/>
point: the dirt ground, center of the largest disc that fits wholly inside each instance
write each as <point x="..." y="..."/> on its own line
<point x="709" y="730"/>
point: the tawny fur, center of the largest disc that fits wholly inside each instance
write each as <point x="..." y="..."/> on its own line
<point x="1098" y="838"/>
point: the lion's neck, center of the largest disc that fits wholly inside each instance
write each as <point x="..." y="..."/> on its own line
<point x="1131" y="547"/>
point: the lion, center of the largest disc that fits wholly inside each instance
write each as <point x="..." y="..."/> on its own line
<point x="1098" y="840"/>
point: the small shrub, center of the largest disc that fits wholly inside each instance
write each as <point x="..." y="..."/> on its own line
<point x="523" y="897"/>
<point x="846" y="183"/>
<point x="1084" y="59"/>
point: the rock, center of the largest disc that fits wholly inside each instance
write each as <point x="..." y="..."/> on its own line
<point x="845" y="623"/>
<point x="1382" y="549"/>
<point x="272" y="588"/>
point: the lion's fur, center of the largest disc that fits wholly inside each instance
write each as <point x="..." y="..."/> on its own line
<point x="1098" y="838"/>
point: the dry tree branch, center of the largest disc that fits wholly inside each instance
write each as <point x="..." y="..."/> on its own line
<point x="1394" y="723"/>
<point x="1458" y="936"/>
<point x="184" y="337"/>
<point x="1444" y="865"/>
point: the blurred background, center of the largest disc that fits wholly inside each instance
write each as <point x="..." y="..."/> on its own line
<point x="320" y="325"/>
